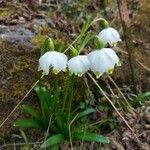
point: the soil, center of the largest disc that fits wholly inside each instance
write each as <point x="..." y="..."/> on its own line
<point x="22" y="30"/>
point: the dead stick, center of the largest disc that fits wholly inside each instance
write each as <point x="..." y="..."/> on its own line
<point x="109" y="77"/>
<point x="126" y="44"/>
<point x="20" y="102"/>
<point x="95" y="82"/>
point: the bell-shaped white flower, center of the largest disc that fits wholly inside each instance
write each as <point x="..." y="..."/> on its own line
<point x="52" y="59"/>
<point x="102" y="61"/>
<point x="110" y="35"/>
<point x="78" y="65"/>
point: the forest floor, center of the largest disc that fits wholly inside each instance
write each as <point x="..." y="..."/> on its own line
<point x="23" y="29"/>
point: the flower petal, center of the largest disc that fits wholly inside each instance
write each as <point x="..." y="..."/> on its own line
<point x="53" y="59"/>
<point x="110" y="35"/>
<point x="102" y="61"/>
<point x="78" y="65"/>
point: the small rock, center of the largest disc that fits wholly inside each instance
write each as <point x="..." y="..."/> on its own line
<point x="146" y="114"/>
<point x="144" y="146"/>
<point x="22" y="20"/>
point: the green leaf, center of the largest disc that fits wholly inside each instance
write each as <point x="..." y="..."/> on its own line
<point x="42" y="94"/>
<point x="30" y="110"/>
<point x="60" y="45"/>
<point x="87" y="111"/>
<point x="55" y="98"/>
<point x="90" y="137"/>
<point x="55" y="147"/>
<point x="85" y="40"/>
<point x="27" y="123"/>
<point x="86" y="25"/>
<point x="84" y="37"/>
<point x="61" y="121"/>
<point x="140" y="99"/>
<point x="53" y="140"/>
<point x="25" y="139"/>
<point x="47" y="46"/>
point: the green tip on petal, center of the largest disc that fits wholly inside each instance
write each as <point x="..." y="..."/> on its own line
<point x="44" y="73"/>
<point x="79" y="74"/>
<point x="39" y="68"/>
<point x="55" y="71"/>
<point x="114" y="44"/>
<point x="110" y="71"/>
<point x="65" y="70"/>
<point x="98" y="74"/>
<point x="70" y="72"/>
<point x="119" y="63"/>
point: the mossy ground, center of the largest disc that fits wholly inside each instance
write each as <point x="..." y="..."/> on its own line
<point x="19" y="63"/>
<point x="5" y="13"/>
<point x="18" y="72"/>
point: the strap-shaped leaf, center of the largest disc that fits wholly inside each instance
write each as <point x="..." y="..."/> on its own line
<point x="140" y="99"/>
<point x="30" y="110"/>
<point x="87" y="111"/>
<point x="27" y="123"/>
<point x="61" y="121"/>
<point x="44" y="101"/>
<point x="53" y="140"/>
<point x="56" y="96"/>
<point x="91" y="137"/>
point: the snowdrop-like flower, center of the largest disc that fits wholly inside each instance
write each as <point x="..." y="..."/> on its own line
<point x="78" y="65"/>
<point x="110" y="35"/>
<point x="56" y="60"/>
<point x="102" y="61"/>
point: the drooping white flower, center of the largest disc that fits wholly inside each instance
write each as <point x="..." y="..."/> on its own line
<point x="102" y="61"/>
<point x="56" y="60"/>
<point x="110" y="35"/>
<point x="78" y="65"/>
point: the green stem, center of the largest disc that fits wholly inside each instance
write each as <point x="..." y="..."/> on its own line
<point x="70" y="98"/>
<point x="66" y="92"/>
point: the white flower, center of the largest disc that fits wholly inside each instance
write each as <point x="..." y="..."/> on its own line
<point x="102" y="61"/>
<point x="110" y="35"/>
<point x="78" y="65"/>
<point x="56" y="60"/>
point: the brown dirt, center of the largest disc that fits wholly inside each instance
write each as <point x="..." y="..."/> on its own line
<point x="18" y="65"/>
<point x="18" y="72"/>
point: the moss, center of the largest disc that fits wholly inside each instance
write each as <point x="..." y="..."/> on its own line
<point x="38" y="40"/>
<point x="5" y="13"/>
<point x="18" y="72"/>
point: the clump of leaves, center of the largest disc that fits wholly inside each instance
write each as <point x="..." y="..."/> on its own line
<point x="51" y="114"/>
<point x="140" y="99"/>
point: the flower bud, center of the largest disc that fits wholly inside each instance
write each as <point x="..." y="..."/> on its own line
<point x="75" y="52"/>
<point x="104" y="24"/>
<point x="100" y="43"/>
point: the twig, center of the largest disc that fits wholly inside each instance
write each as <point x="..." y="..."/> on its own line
<point x="95" y="20"/>
<point x="14" y="146"/>
<point x="95" y="82"/>
<point x="146" y="68"/>
<point x="86" y="83"/>
<point x="95" y="123"/>
<point x="21" y="101"/>
<point x="49" y="124"/>
<point x="70" y="136"/>
<point x="19" y="144"/>
<point x="126" y="43"/>
<point x="72" y="44"/>
<point x="109" y="77"/>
